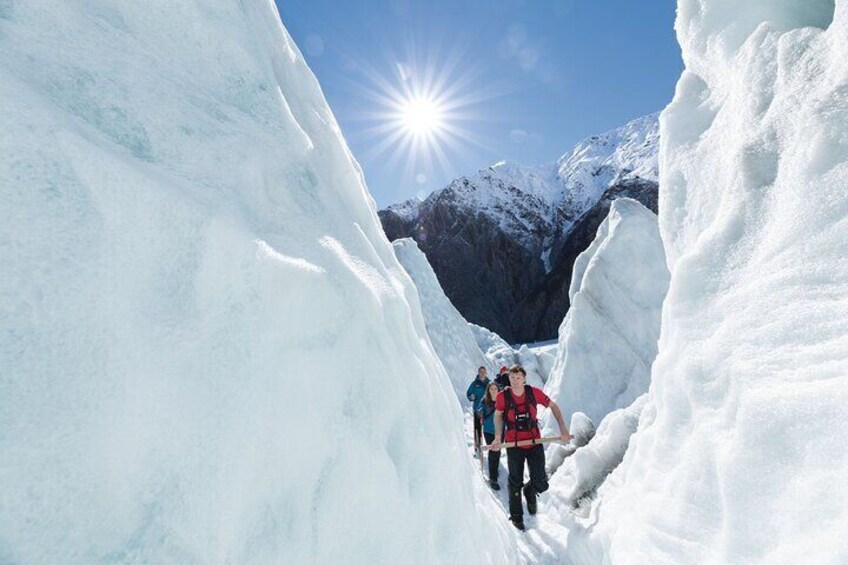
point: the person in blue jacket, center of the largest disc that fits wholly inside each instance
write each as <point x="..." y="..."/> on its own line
<point x="487" y="414"/>
<point x="475" y="394"/>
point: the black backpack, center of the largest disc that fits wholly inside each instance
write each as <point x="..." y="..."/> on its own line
<point x="522" y="421"/>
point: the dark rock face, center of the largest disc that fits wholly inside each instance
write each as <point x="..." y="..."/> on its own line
<point x="484" y="271"/>
<point x="549" y="301"/>
<point x="494" y="279"/>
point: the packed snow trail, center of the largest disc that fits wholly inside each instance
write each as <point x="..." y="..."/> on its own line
<point x="544" y="542"/>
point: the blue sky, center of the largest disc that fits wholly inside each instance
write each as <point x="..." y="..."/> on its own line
<point x="517" y="80"/>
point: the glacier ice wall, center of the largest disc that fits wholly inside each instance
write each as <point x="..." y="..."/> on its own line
<point x="209" y="352"/>
<point x="608" y="339"/>
<point x="448" y="331"/>
<point x="740" y="454"/>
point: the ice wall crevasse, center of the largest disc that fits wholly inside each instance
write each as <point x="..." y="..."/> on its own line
<point x="739" y="455"/>
<point x="209" y="350"/>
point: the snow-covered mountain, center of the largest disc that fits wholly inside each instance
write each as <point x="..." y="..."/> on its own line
<point x="503" y="241"/>
<point x="208" y="350"/>
<point x="619" y="157"/>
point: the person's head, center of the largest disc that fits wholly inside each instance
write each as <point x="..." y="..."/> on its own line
<point x="481" y="373"/>
<point x="503" y="370"/>
<point x="492" y="391"/>
<point x="517" y="376"/>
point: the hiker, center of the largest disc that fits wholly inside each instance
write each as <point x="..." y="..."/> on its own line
<point x="488" y="416"/>
<point x="476" y="392"/>
<point x="502" y="379"/>
<point x="515" y="409"/>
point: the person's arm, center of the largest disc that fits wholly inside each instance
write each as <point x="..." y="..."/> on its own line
<point x="496" y="445"/>
<point x="563" y="429"/>
<point x="469" y="394"/>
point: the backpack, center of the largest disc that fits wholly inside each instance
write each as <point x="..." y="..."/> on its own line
<point x="522" y="421"/>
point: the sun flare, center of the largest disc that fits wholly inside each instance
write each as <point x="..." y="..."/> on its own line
<point x="422" y="116"/>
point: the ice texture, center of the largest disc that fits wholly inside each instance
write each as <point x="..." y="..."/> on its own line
<point x="582" y="472"/>
<point x="448" y="331"/>
<point x="536" y="358"/>
<point x="740" y="455"/>
<point x="208" y="350"/>
<point x="608" y="339"/>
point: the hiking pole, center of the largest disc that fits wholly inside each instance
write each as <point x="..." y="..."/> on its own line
<point x="524" y="442"/>
<point x="473" y="423"/>
<point x="480" y="449"/>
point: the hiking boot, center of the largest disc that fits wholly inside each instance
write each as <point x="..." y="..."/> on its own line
<point x="516" y="508"/>
<point x="530" y="495"/>
<point x="518" y="523"/>
<point x="494" y="485"/>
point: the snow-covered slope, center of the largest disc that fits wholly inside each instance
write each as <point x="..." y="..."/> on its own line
<point x="625" y="154"/>
<point x="608" y="339"/>
<point x="208" y="351"/>
<point x="740" y="456"/>
<point x="449" y="332"/>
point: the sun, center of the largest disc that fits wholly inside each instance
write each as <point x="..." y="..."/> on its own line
<point x="422" y="116"/>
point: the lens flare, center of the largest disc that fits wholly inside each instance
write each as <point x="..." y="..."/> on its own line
<point x="422" y="116"/>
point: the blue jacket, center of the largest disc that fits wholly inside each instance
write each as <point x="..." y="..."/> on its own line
<point x="488" y="418"/>
<point x="478" y="390"/>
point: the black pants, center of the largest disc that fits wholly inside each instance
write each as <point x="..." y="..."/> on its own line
<point x="515" y="458"/>
<point x="494" y="458"/>
<point x="478" y="428"/>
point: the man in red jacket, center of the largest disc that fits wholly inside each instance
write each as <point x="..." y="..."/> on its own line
<point x="515" y="409"/>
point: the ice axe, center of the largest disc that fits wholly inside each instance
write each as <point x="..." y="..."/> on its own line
<point x="523" y="442"/>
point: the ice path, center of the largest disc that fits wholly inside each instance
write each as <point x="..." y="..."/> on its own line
<point x="545" y="539"/>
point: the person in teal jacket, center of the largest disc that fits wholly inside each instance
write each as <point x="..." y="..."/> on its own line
<point x="476" y="392"/>
<point x="487" y="415"/>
